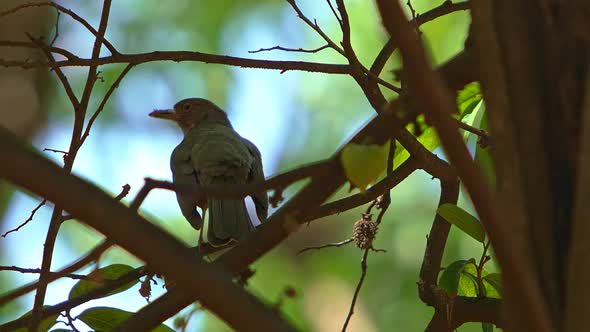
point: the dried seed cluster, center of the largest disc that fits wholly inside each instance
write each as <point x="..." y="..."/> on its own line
<point x="364" y="232"/>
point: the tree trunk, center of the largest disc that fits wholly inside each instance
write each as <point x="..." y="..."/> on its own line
<point x="533" y="62"/>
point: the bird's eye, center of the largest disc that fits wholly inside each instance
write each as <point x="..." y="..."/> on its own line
<point x="186" y="107"/>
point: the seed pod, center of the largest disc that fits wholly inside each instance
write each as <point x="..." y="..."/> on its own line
<point x="364" y="232"/>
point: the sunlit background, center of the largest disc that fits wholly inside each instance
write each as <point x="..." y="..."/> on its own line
<point x="294" y="118"/>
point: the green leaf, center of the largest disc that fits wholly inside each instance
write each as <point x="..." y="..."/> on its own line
<point x="99" y="277"/>
<point x="468" y="98"/>
<point x="469" y="109"/>
<point x="463" y="220"/>
<point x="467" y="285"/>
<point x="106" y="318"/>
<point x="468" y="280"/>
<point x="487" y="327"/>
<point x="429" y="139"/>
<point x="450" y="277"/>
<point x="493" y="285"/>
<point x="364" y="163"/>
<point x="45" y="324"/>
<point x="483" y="156"/>
<point x="470" y="268"/>
<point x="473" y="119"/>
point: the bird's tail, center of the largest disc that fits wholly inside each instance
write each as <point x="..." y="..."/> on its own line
<point x="228" y="220"/>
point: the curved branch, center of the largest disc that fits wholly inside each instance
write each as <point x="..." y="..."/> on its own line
<point x="66" y="11"/>
<point x="132" y="232"/>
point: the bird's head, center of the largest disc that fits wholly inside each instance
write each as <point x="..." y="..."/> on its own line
<point x="191" y="112"/>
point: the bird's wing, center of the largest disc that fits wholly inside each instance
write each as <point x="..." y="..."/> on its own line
<point x="257" y="175"/>
<point x="218" y="152"/>
<point x="184" y="174"/>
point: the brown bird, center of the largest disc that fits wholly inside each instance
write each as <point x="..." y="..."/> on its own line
<point x="212" y="152"/>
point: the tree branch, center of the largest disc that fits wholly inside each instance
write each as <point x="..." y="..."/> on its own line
<point x="66" y="11"/>
<point x="79" y="116"/>
<point x="93" y="255"/>
<point x="435" y="246"/>
<point x="26" y="270"/>
<point x="268" y="235"/>
<point x="105" y="288"/>
<point x="438" y="107"/>
<point x="30" y="218"/>
<point x="180" y="56"/>
<point x="164" y="254"/>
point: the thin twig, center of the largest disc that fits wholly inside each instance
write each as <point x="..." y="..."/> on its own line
<point x="58" y="72"/>
<point x="328" y="245"/>
<point x="56" y="218"/>
<point x="37" y="271"/>
<point x="66" y="11"/>
<point x="482" y="262"/>
<point x="92" y="256"/>
<point x="485" y="139"/>
<point x="287" y="49"/>
<point x="104" y="101"/>
<point x="13" y="43"/>
<point x="380" y="80"/>
<point x="445" y="8"/>
<point x="412" y="11"/>
<point x="334" y="12"/>
<point x="350" y="202"/>
<point x="106" y="287"/>
<point x="315" y="27"/>
<point x="358" y="288"/>
<point x="383" y="203"/>
<point x="56" y="34"/>
<point x="70" y="321"/>
<point x="124" y="192"/>
<point x="56" y="151"/>
<point x="28" y="219"/>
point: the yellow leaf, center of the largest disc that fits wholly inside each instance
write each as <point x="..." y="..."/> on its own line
<point x="364" y="163"/>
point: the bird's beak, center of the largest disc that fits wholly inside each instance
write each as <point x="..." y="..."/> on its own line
<point x="164" y="114"/>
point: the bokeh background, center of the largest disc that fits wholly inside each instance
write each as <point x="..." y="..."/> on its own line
<point x="294" y="118"/>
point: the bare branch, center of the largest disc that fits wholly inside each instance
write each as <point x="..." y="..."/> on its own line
<point x="96" y="113"/>
<point x="165" y="253"/>
<point x="79" y="116"/>
<point x="445" y="8"/>
<point x="124" y="192"/>
<point x="334" y="12"/>
<point x="93" y="255"/>
<point x="66" y="11"/>
<point x="485" y="139"/>
<point x="180" y="56"/>
<point x="329" y="245"/>
<point x="58" y="72"/>
<point x="27" y="220"/>
<point x="56" y="33"/>
<point x="36" y="271"/>
<point x="315" y="27"/>
<point x="438" y="106"/>
<point x="358" y="288"/>
<point x="302" y="50"/>
<point x="100" y="291"/>
<point x="52" y="49"/>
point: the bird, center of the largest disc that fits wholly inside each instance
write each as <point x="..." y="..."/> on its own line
<point x="212" y="152"/>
